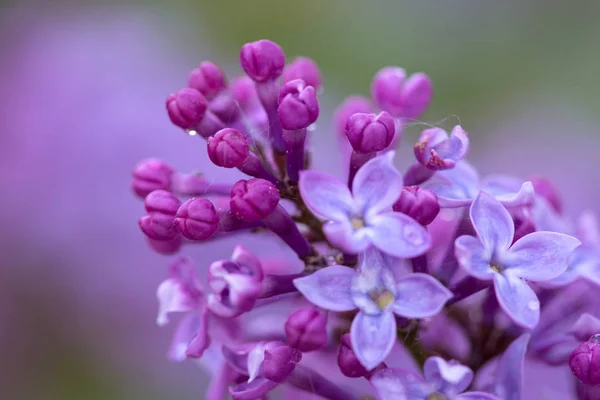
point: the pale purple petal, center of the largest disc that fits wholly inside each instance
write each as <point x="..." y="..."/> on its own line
<point x="237" y="359"/>
<point x="525" y="196"/>
<point x="582" y="263"/>
<point x="184" y="333"/>
<point x="377" y="185"/>
<point x="540" y="256"/>
<point x="508" y="383"/>
<point x="200" y="340"/>
<point x="420" y="296"/>
<point x="476" y="396"/>
<point x="325" y="195"/>
<point x="342" y="235"/>
<point x="447" y="376"/>
<point x="182" y="292"/>
<point x="399" y="235"/>
<point x="546" y="218"/>
<point x="398" y="384"/>
<point x="588" y="229"/>
<point x="492" y="222"/>
<point x="517" y="299"/>
<point x="510" y="191"/>
<point x="246" y="259"/>
<point x="373" y="337"/>
<point x="455" y="187"/>
<point x="252" y="390"/>
<point x="473" y="257"/>
<point x="585" y="327"/>
<point x="328" y="288"/>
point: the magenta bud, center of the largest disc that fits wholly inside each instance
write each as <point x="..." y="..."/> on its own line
<point x="420" y="204"/>
<point x="545" y="188"/>
<point x="208" y="79"/>
<point x="243" y="91"/>
<point x="186" y="108"/>
<point x="347" y="361"/>
<point x="279" y="362"/>
<point x="197" y="219"/>
<point x="350" y="106"/>
<point x="151" y="174"/>
<point x="585" y="361"/>
<point x="303" y="68"/>
<point x="306" y="329"/>
<point x="298" y="105"/>
<point x="402" y="98"/>
<point x="368" y="133"/>
<point x="228" y="148"/>
<point x="159" y="224"/>
<point x="262" y="60"/>
<point x="254" y="199"/>
<point x="166" y="247"/>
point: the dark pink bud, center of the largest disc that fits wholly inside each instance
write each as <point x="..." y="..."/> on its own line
<point x="197" y="219"/>
<point x="254" y="199"/>
<point x="420" y="204"/>
<point x="368" y="133"/>
<point x="166" y="247"/>
<point x="262" y="60"/>
<point x="347" y="361"/>
<point x="545" y="188"/>
<point x="228" y="148"/>
<point x="402" y="98"/>
<point x="279" y="362"/>
<point x="585" y="361"/>
<point x="352" y="105"/>
<point x="208" y="79"/>
<point x="151" y="174"/>
<point x="298" y="105"/>
<point x="303" y="68"/>
<point x="159" y="224"/>
<point x="243" y="90"/>
<point x="186" y="108"/>
<point x="306" y="329"/>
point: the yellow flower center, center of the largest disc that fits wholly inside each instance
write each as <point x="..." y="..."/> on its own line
<point x="437" y="396"/>
<point x="357" y="222"/>
<point x="382" y="298"/>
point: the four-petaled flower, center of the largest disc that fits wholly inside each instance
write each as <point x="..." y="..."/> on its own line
<point x="437" y="150"/>
<point x="365" y="217"/>
<point x="442" y="381"/>
<point x="538" y="256"/>
<point x="378" y="296"/>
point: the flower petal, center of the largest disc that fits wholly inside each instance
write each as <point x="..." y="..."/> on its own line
<point x="373" y="337"/>
<point x="325" y="195"/>
<point x="541" y="256"/>
<point x="508" y="383"/>
<point x="377" y="184"/>
<point x="447" y="376"/>
<point x="201" y="340"/>
<point x="492" y="222"/>
<point x="517" y="299"/>
<point x="472" y="257"/>
<point x="455" y="187"/>
<point x="585" y="327"/>
<point x="184" y="333"/>
<point x="248" y="260"/>
<point x="328" y="288"/>
<point x="341" y="234"/>
<point x="420" y="296"/>
<point x="476" y="396"/>
<point x="398" y="384"/>
<point x="252" y="390"/>
<point x="525" y="196"/>
<point x="399" y="235"/>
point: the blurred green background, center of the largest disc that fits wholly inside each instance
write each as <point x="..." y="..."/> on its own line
<point x="508" y="71"/>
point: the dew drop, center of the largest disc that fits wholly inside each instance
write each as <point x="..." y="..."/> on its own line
<point x="192" y="132"/>
<point x="533" y="305"/>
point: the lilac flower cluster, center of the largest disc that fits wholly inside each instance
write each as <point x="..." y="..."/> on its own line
<point x="368" y="243"/>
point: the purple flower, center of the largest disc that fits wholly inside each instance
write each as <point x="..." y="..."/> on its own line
<point x="419" y="204"/>
<point x="262" y="60"/>
<point x="303" y="68"/>
<point x="306" y="329"/>
<point x="508" y="380"/>
<point x="436" y="150"/>
<point x="364" y="217"/>
<point x="197" y="219"/>
<point x="228" y="148"/>
<point x="539" y="256"/>
<point x="368" y="133"/>
<point x="459" y="186"/>
<point x="208" y="79"/>
<point x="159" y="223"/>
<point x="186" y="108"/>
<point x="441" y="380"/>
<point x="298" y="105"/>
<point x="378" y="296"/>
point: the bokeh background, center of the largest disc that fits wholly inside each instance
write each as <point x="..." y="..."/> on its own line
<point x="82" y="89"/>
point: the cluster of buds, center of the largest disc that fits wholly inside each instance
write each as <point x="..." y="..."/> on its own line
<point x="381" y="270"/>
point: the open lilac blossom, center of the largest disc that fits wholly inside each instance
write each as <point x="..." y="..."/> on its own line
<point x="491" y="255"/>
<point x="436" y="150"/>
<point x="362" y="218"/>
<point x="378" y="296"/>
<point x="442" y="380"/>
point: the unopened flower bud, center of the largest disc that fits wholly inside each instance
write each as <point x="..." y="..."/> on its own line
<point x="186" y="108"/>
<point x="545" y="188"/>
<point x="262" y="60"/>
<point x="208" y="79"/>
<point x="306" y="329"/>
<point x="279" y="362"/>
<point x="436" y="150"/>
<point x="159" y="224"/>
<point x="151" y="174"/>
<point x="420" y="204"/>
<point x="166" y="247"/>
<point x="369" y="133"/>
<point x="303" y="68"/>
<point x="298" y="105"/>
<point x="402" y="98"/>
<point x="585" y="361"/>
<point x="350" y="106"/>
<point x="243" y="91"/>
<point x="228" y="148"/>
<point x="197" y="219"/>
<point x="254" y="199"/>
<point x="347" y="360"/>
